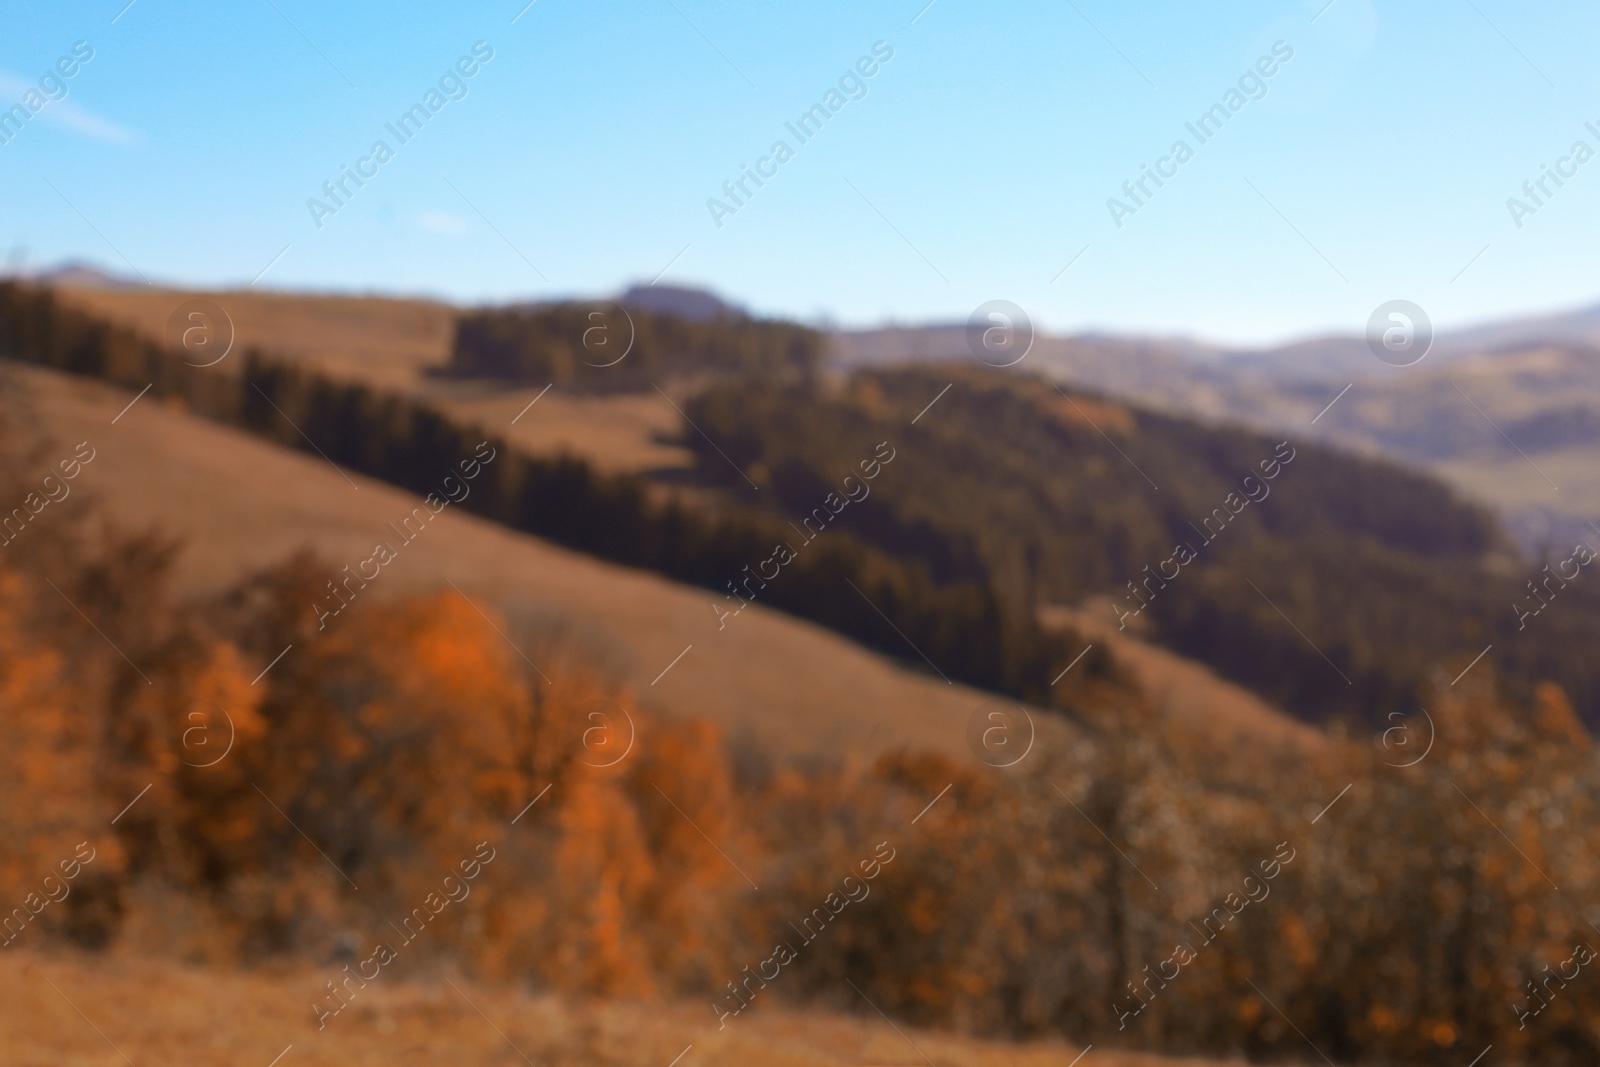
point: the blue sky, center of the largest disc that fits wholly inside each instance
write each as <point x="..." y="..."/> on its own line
<point x="977" y="166"/>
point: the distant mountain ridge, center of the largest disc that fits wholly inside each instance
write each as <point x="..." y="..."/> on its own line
<point x="1507" y="411"/>
<point x="82" y="274"/>
<point x="696" y="305"/>
<point x="1309" y="358"/>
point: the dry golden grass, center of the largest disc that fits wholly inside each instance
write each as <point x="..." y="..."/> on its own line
<point x="390" y="344"/>
<point x="784" y="685"/>
<point x="780" y="684"/>
<point x="386" y="341"/>
<point x="1191" y="696"/>
<point x="615" y="433"/>
<point x="817" y="693"/>
<point x="70" y="1009"/>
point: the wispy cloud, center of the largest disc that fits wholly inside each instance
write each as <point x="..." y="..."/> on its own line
<point x="442" y="222"/>
<point x="64" y="113"/>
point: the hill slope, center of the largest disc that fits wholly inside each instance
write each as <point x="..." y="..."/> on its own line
<point x="1327" y="582"/>
<point x="241" y="503"/>
<point x="1008" y="502"/>
<point x="786" y="686"/>
<point x="167" y="1013"/>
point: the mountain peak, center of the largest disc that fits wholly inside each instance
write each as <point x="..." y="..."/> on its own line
<point x="696" y="305"/>
<point x="82" y="274"/>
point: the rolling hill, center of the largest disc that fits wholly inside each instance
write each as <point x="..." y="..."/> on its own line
<point x="1521" y="451"/>
<point x="156" y="1011"/>
<point x="781" y="684"/>
<point x="1532" y="371"/>
<point x="241" y="503"/>
<point x="1027" y="899"/>
<point x="979" y="596"/>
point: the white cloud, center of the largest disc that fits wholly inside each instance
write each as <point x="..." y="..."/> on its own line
<point x="64" y="112"/>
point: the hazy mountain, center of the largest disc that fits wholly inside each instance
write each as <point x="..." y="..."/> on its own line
<point x="81" y="274"/>
<point x="1523" y="450"/>
<point x="1507" y="412"/>
<point x="696" y="305"/>
<point x="1136" y="361"/>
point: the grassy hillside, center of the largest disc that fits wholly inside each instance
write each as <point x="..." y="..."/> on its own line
<point x="1334" y="598"/>
<point x="1516" y="427"/>
<point x="768" y="680"/>
<point x="1329" y="583"/>
<point x="381" y="339"/>
<point x="1541" y="392"/>
<point x="1021" y="901"/>
<point x="1533" y="379"/>
<point x="237" y="503"/>
<point x="161" y="1012"/>
<point x="963" y="629"/>
<point x="396" y="345"/>
<point x="1016" y="900"/>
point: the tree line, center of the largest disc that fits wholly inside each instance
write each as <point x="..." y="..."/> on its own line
<point x="1007" y="497"/>
<point x="606" y="347"/>
<point x="960" y="623"/>
<point x="1126" y="884"/>
<point x="1054" y="496"/>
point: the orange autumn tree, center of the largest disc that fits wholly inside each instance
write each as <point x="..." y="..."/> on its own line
<point x="47" y="783"/>
<point x="412" y="729"/>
